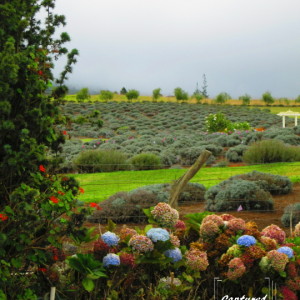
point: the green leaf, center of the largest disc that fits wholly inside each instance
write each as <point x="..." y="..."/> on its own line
<point x="148" y="227"/>
<point x="2" y="295"/>
<point x="188" y="278"/>
<point x="282" y="274"/>
<point x="88" y="284"/>
<point x="111" y="225"/>
<point x="16" y="262"/>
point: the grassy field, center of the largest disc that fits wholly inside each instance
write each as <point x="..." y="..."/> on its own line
<point x="99" y="186"/>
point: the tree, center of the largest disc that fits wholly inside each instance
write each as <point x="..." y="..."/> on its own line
<point x="222" y="98"/>
<point x="180" y="94"/>
<point x="132" y="94"/>
<point x="267" y="98"/>
<point x="297" y="100"/>
<point x="106" y="95"/>
<point x="123" y="91"/>
<point x="33" y="200"/>
<point x="198" y="95"/>
<point x="156" y="94"/>
<point x="83" y="94"/>
<point x="245" y="99"/>
<point x="204" y="87"/>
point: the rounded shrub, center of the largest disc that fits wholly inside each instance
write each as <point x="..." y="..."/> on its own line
<point x="146" y="161"/>
<point x="268" y="151"/>
<point x="128" y="206"/>
<point x="275" y="184"/>
<point x="235" y="154"/>
<point x="101" y="161"/>
<point x="230" y="194"/>
<point x="291" y="214"/>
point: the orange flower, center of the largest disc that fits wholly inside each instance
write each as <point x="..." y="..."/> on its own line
<point x="54" y="199"/>
<point x="64" y="132"/>
<point x="55" y="257"/>
<point x="3" y="217"/>
<point x="81" y="190"/>
<point x="44" y="270"/>
<point x="60" y="193"/>
<point x="42" y="168"/>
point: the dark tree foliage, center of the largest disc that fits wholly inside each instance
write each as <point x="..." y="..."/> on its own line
<point x="32" y="200"/>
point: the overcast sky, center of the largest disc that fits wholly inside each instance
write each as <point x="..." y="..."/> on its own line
<point x="243" y="46"/>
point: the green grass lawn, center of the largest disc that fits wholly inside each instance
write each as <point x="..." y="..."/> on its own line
<point x="278" y="109"/>
<point x="99" y="186"/>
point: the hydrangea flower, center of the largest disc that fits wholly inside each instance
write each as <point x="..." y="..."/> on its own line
<point x="141" y="243"/>
<point x="268" y="242"/>
<point x="168" y="281"/>
<point x="234" y="250"/>
<point x="126" y="232"/>
<point x="110" y="238"/>
<point x="209" y="229"/>
<point x="174" y="240"/>
<point x="214" y="218"/>
<point x="127" y="259"/>
<point x="165" y="215"/>
<point x="297" y="230"/>
<point x="196" y="260"/>
<point x="236" y="269"/>
<point x="180" y="225"/>
<point x="174" y="254"/>
<point x="274" y="232"/>
<point x="158" y="234"/>
<point x="246" y="240"/>
<point x="286" y="250"/>
<point x="227" y="217"/>
<point x="277" y="260"/>
<point x="236" y="224"/>
<point x="111" y="259"/>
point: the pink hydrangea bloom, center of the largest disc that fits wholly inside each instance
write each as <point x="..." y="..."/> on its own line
<point x="126" y="232"/>
<point x="214" y="218"/>
<point x="180" y="225"/>
<point x="277" y="260"/>
<point x="141" y="243"/>
<point x="174" y="240"/>
<point x="236" y="224"/>
<point x="274" y="232"/>
<point x="227" y="217"/>
<point x="165" y="215"/>
<point x="209" y="229"/>
<point x="288" y="294"/>
<point x="236" y="269"/>
<point x="196" y="260"/>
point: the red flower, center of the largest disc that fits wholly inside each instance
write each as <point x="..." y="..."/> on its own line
<point x="65" y="178"/>
<point x="81" y="190"/>
<point x="95" y="205"/>
<point x="55" y="257"/>
<point x="40" y="72"/>
<point x="42" y="168"/>
<point x="54" y="199"/>
<point x="60" y="193"/>
<point x="3" y="217"/>
<point x="64" y="132"/>
<point x="44" y="270"/>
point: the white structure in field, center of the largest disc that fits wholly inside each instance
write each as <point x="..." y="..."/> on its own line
<point x="288" y="113"/>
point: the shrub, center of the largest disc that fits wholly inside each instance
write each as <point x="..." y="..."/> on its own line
<point x="106" y="95"/>
<point x="222" y="98"/>
<point x="83" y="94"/>
<point x="156" y="94"/>
<point x="146" y="161"/>
<point x="267" y="98"/>
<point x="268" y="151"/>
<point x="291" y="214"/>
<point x="128" y="206"/>
<point x="101" y="161"/>
<point x="275" y="184"/>
<point x="235" y="154"/>
<point x="230" y="194"/>
<point x="245" y="99"/>
<point x="132" y="94"/>
<point x="217" y="122"/>
<point x="180" y="94"/>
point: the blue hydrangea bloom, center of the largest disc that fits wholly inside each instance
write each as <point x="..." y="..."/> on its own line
<point x="110" y="238"/>
<point x="246" y="240"/>
<point x="111" y="259"/>
<point x="286" y="250"/>
<point x="174" y="254"/>
<point x="158" y="234"/>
